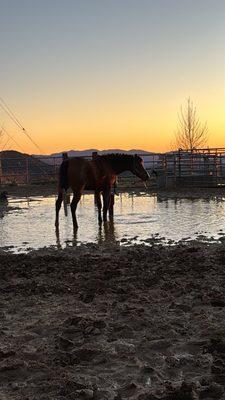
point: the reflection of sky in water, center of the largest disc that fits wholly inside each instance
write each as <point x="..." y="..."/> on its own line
<point x="137" y="217"/>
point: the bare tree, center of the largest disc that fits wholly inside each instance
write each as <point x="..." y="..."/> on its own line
<point x="191" y="133"/>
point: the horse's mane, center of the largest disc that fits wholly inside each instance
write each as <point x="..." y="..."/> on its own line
<point x="117" y="156"/>
<point x="118" y="161"/>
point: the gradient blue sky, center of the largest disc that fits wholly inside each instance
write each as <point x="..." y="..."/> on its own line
<point x="111" y="73"/>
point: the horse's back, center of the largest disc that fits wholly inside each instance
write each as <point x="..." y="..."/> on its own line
<point x="80" y="173"/>
<point x="89" y="174"/>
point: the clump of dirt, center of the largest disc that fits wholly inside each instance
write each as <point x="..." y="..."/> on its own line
<point x="100" y="322"/>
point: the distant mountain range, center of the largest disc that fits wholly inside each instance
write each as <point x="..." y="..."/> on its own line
<point x="88" y="152"/>
<point x="56" y="158"/>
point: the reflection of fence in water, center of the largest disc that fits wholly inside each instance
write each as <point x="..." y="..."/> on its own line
<point x="198" y="168"/>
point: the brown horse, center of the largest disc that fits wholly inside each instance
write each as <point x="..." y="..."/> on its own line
<point x="99" y="175"/>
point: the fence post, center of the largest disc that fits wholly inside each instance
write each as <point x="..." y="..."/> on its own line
<point x="65" y="156"/>
<point x="215" y="162"/>
<point x="27" y="170"/>
<point x="174" y="166"/>
<point x="54" y="166"/>
<point x="179" y="162"/>
<point x="94" y="154"/>
<point x="0" y="168"/>
<point x="192" y="161"/>
<point x="165" y="170"/>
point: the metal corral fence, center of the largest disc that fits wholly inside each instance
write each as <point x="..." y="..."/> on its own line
<point x="39" y="170"/>
<point x="28" y="169"/>
<point x="199" y="168"/>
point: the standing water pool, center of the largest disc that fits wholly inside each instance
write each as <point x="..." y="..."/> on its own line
<point x="29" y="223"/>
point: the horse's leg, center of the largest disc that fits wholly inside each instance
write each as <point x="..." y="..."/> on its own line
<point x="73" y="206"/>
<point x="106" y="202"/>
<point x="99" y="205"/>
<point x="58" y="204"/>
<point x="111" y="205"/>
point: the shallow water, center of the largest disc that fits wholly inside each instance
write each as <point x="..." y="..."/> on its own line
<point x="29" y="223"/>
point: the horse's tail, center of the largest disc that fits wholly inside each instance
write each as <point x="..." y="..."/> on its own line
<point x="115" y="188"/>
<point x="63" y="176"/>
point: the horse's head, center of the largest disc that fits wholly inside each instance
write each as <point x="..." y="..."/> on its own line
<point x="138" y="168"/>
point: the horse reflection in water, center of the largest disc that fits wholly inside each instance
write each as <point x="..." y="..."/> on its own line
<point x="98" y="175"/>
<point x="106" y="235"/>
<point x="69" y="243"/>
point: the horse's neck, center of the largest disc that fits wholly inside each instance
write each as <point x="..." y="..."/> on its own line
<point x="122" y="168"/>
<point x="119" y="166"/>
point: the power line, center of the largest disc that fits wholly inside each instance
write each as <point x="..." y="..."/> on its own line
<point x="12" y="138"/>
<point x="12" y="116"/>
<point x="7" y="141"/>
<point x="30" y="138"/>
<point x="10" y="113"/>
<point x="1" y="132"/>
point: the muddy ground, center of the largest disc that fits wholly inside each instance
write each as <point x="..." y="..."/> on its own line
<point x="115" y="322"/>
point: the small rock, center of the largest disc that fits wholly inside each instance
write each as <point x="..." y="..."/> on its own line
<point x="218" y="303"/>
<point x="64" y="343"/>
<point x="85" y="394"/>
<point x="147" y="369"/>
<point x="214" y="391"/>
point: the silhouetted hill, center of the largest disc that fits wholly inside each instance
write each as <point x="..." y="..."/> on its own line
<point x="23" y="166"/>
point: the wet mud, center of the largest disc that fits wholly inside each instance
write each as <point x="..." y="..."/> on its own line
<point x="113" y="322"/>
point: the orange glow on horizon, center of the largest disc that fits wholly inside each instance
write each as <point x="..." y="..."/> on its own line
<point x="148" y="126"/>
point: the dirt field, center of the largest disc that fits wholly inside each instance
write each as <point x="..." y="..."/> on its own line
<point x="95" y="322"/>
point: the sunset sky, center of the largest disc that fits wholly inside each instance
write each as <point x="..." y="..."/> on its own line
<point x="110" y="73"/>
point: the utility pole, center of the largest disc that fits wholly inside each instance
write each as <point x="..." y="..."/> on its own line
<point x="1" y="134"/>
<point x="0" y="168"/>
